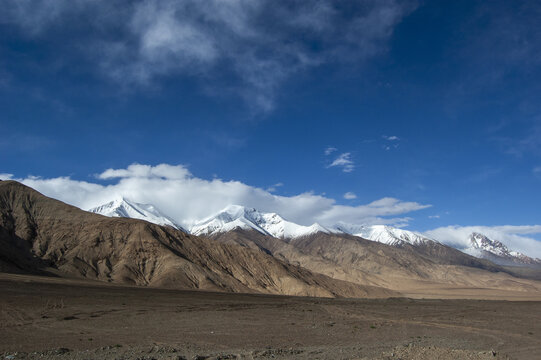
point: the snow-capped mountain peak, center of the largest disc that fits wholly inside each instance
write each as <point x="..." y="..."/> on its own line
<point x="383" y="234"/>
<point x="122" y="207"/>
<point x="231" y="217"/>
<point x="240" y="217"/>
<point x="481" y="242"/>
<point x="271" y="224"/>
<point x="483" y="247"/>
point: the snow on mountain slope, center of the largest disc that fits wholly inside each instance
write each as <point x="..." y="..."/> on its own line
<point x="230" y="218"/>
<point x="483" y="247"/>
<point x="122" y="207"/>
<point x="272" y="224"/>
<point x="240" y="217"/>
<point x="383" y="234"/>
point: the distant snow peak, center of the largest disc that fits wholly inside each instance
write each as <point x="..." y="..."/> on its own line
<point x="481" y="242"/>
<point x="271" y="224"/>
<point x="483" y="247"/>
<point x="240" y="217"/>
<point x="383" y="234"/>
<point x="122" y="207"/>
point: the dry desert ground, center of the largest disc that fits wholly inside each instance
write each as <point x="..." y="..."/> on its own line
<point x="45" y="318"/>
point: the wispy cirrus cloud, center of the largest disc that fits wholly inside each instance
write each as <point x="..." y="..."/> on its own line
<point x="244" y="47"/>
<point x="274" y="187"/>
<point x="484" y="174"/>
<point x="329" y="150"/>
<point x="167" y="186"/>
<point x="344" y="162"/>
<point x="391" y="142"/>
<point x="25" y="143"/>
<point x="528" y="144"/>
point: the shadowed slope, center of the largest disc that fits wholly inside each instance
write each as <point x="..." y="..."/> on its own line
<point x="40" y="234"/>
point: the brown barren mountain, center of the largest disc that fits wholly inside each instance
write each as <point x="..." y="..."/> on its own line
<point x="420" y="271"/>
<point x="41" y="235"/>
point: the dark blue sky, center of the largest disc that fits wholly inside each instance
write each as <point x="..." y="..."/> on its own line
<point x="434" y="102"/>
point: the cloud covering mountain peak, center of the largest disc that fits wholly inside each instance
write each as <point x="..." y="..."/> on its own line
<point x="187" y="198"/>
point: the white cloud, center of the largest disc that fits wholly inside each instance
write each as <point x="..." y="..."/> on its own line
<point x="187" y="198"/>
<point x="392" y="142"/>
<point x="433" y="216"/>
<point x="6" y="176"/>
<point x="344" y="161"/>
<point x="350" y="195"/>
<point x="273" y="188"/>
<point x="146" y="171"/>
<point x="261" y="43"/>
<point x="329" y="150"/>
<point x="510" y="235"/>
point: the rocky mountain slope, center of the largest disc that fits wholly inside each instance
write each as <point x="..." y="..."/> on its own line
<point x="42" y="235"/>
<point x="401" y="268"/>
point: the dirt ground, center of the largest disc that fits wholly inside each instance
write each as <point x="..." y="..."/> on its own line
<point x="57" y="318"/>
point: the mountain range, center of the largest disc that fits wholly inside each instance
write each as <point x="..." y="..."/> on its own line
<point x="40" y="235"/>
<point x="271" y="224"/>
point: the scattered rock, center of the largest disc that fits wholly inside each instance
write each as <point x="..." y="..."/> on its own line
<point x="61" y="351"/>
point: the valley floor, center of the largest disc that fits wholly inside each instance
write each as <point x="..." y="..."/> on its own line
<point x="60" y="318"/>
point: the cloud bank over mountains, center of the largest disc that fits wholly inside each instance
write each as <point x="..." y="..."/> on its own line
<point x="186" y="198"/>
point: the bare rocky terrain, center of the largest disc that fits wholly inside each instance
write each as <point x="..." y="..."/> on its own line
<point x="43" y="317"/>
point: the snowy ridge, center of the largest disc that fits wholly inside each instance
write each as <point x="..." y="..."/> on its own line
<point x="240" y="217"/>
<point x="483" y="247"/>
<point x="271" y="224"/>
<point x="122" y="207"/>
<point x="383" y="234"/>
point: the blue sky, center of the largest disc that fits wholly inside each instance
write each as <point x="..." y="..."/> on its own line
<point x="424" y="102"/>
